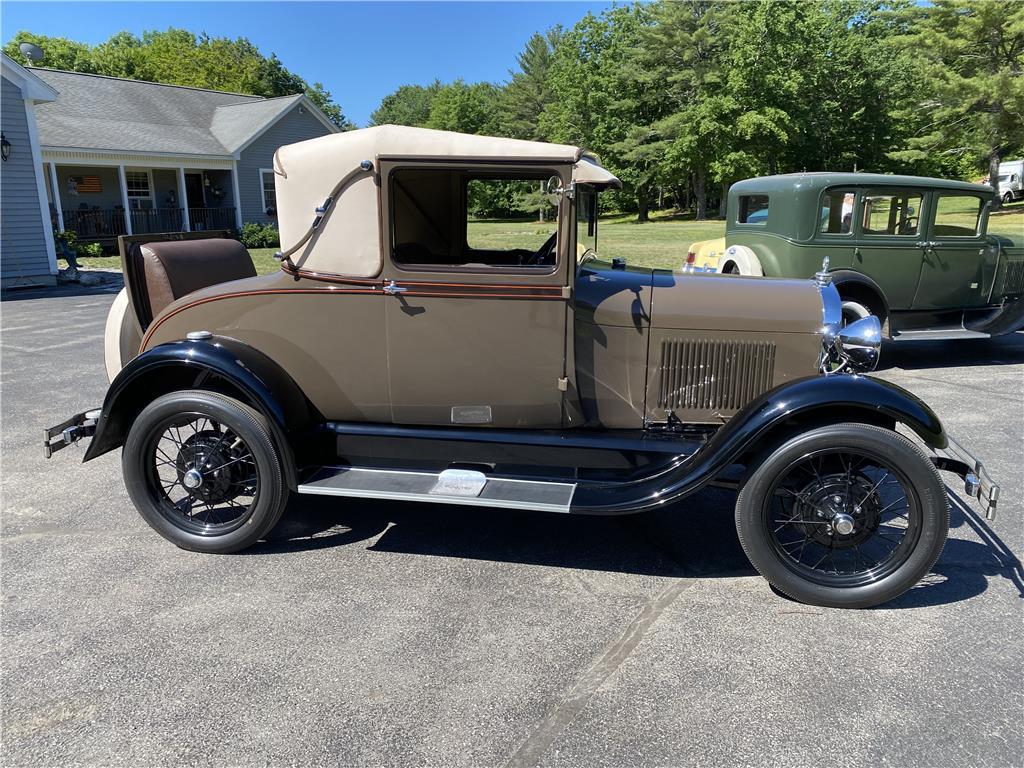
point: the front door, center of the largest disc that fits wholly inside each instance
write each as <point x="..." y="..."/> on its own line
<point x="889" y="238"/>
<point x="476" y="316"/>
<point x="194" y="194"/>
<point x="956" y="256"/>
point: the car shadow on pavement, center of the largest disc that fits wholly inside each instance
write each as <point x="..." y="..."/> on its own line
<point x="965" y="567"/>
<point x="695" y="538"/>
<point x="920" y="355"/>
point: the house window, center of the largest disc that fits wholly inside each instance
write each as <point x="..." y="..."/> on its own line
<point x="269" y="191"/>
<point x="137" y="186"/>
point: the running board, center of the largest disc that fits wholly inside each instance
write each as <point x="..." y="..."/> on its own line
<point x="939" y="334"/>
<point x="452" y="486"/>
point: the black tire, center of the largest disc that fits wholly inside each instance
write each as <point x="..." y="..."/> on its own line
<point x="878" y="453"/>
<point x="733" y="269"/>
<point x="225" y="433"/>
<point x="1007" y="198"/>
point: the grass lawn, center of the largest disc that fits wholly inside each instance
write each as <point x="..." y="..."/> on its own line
<point x="661" y="242"/>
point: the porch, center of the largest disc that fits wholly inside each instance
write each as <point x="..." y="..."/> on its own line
<point x="100" y="202"/>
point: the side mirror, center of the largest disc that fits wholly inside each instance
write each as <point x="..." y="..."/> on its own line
<point x="553" y="186"/>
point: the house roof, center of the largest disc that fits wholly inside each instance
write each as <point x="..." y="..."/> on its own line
<point x="32" y="87"/>
<point x="110" y="113"/>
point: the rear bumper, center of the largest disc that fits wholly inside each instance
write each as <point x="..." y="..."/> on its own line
<point x="977" y="481"/>
<point x="71" y="431"/>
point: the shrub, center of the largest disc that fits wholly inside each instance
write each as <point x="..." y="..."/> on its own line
<point x="255" y="235"/>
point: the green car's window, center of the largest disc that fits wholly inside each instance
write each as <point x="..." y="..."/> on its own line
<point x="837" y="212"/>
<point x="891" y="212"/>
<point x="586" y="221"/>
<point x="753" y="209"/>
<point x="957" y="215"/>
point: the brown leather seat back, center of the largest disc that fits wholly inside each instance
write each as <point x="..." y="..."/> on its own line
<point x="174" y="268"/>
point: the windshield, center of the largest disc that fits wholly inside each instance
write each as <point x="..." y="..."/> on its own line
<point x="586" y="221"/>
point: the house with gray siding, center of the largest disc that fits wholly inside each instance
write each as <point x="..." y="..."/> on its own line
<point x="27" y="254"/>
<point x="131" y="157"/>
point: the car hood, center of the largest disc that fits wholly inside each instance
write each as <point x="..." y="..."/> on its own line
<point x="706" y="301"/>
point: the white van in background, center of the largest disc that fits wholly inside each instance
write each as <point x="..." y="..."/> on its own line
<point x="1011" y="181"/>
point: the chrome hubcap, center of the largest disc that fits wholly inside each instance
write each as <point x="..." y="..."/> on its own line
<point x="192" y="479"/>
<point x="842" y="524"/>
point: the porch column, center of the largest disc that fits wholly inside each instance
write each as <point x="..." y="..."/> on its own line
<point x="124" y="200"/>
<point x="55" y="194"/>
<point x="183" y="196"/>
<point x="238" y="199"/>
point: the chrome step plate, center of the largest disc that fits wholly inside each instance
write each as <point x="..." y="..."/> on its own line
<point x="452" y="486"/>
<point x="939" y="334"/>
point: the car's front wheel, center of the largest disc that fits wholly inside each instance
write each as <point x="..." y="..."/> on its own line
<point x="846" y="516"/>
<point x="1008" y="198"/>
<point x="203" y="471"/>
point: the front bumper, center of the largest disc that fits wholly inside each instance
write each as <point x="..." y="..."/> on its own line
<point x="977" y="481"/>
<point x="71" y="431"/>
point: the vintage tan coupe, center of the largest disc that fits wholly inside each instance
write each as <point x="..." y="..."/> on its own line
<point x="416" y="346"/>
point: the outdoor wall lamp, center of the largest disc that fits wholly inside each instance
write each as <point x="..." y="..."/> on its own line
<point x="5" y="147"/>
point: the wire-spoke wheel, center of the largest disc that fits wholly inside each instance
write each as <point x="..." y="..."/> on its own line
<point x="203" y="471"/>
<point x="847" y="516"/>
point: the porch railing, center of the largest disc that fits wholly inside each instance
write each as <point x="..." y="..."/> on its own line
<point x="203" y="219"/>
<point x="94" y="223"/>
<point x="101" y="224"/>
<point x="146" y="220"/>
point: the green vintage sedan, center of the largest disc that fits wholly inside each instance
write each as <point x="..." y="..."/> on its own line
<point x="916" y="252"/>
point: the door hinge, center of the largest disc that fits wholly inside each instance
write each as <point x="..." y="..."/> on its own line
<point x="566" y="291"/>
<point x="563" y="385"/>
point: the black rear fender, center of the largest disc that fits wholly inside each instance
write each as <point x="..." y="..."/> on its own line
<point x="218" y="364"/>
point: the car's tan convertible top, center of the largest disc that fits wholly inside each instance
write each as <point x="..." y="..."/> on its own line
<point x="349" y="239"/>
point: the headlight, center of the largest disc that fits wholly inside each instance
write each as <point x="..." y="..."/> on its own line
<point x="859" y="342"/>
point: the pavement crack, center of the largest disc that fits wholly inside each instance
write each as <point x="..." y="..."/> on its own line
<point x="573" y="702"/>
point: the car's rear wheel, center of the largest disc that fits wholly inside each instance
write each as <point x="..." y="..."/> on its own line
<point x="846" y="516"/>
<point x="203" y="471"/>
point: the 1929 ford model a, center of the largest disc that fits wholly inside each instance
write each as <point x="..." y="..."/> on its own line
<point x="399" y="354"/>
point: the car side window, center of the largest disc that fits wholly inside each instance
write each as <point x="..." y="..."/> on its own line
<point x="837" y="212"/>
<point x="888" y="212"/>
<point x="455" y="219"/>
<point x="753" y="209"/>
<point x="957" y="215"/>
<point x="504" y="215"/>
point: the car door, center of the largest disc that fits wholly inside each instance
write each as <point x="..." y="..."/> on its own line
<point x="889" y="239"/>
<point x="475" y="312"/>
<point x="956" y="256"/>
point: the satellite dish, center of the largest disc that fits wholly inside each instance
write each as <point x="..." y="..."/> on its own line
<point x="31" y="52"/>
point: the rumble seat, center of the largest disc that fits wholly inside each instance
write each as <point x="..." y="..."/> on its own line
<point x="173" y="268"/>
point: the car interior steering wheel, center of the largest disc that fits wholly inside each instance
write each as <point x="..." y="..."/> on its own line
<point x="540" y="256"/>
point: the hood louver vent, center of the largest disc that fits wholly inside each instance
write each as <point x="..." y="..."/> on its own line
<point x="714" y="375"/>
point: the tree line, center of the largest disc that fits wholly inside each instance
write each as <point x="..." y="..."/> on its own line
<point x="680" y="100"/>
<point x="180" y="57"/>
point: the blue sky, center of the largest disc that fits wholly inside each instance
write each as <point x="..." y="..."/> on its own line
<point x="359" y="51"/>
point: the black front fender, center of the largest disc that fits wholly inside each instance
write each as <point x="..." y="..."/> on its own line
<point x="219" y="364"/>
<point x="812" y="402"/>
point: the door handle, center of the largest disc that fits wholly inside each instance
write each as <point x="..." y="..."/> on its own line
<point x="391" y="288"/>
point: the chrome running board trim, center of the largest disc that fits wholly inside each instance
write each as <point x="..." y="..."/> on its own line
<point x="472" y="489"/>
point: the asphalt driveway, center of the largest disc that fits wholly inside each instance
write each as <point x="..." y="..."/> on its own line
<point x="400" y="635"/>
